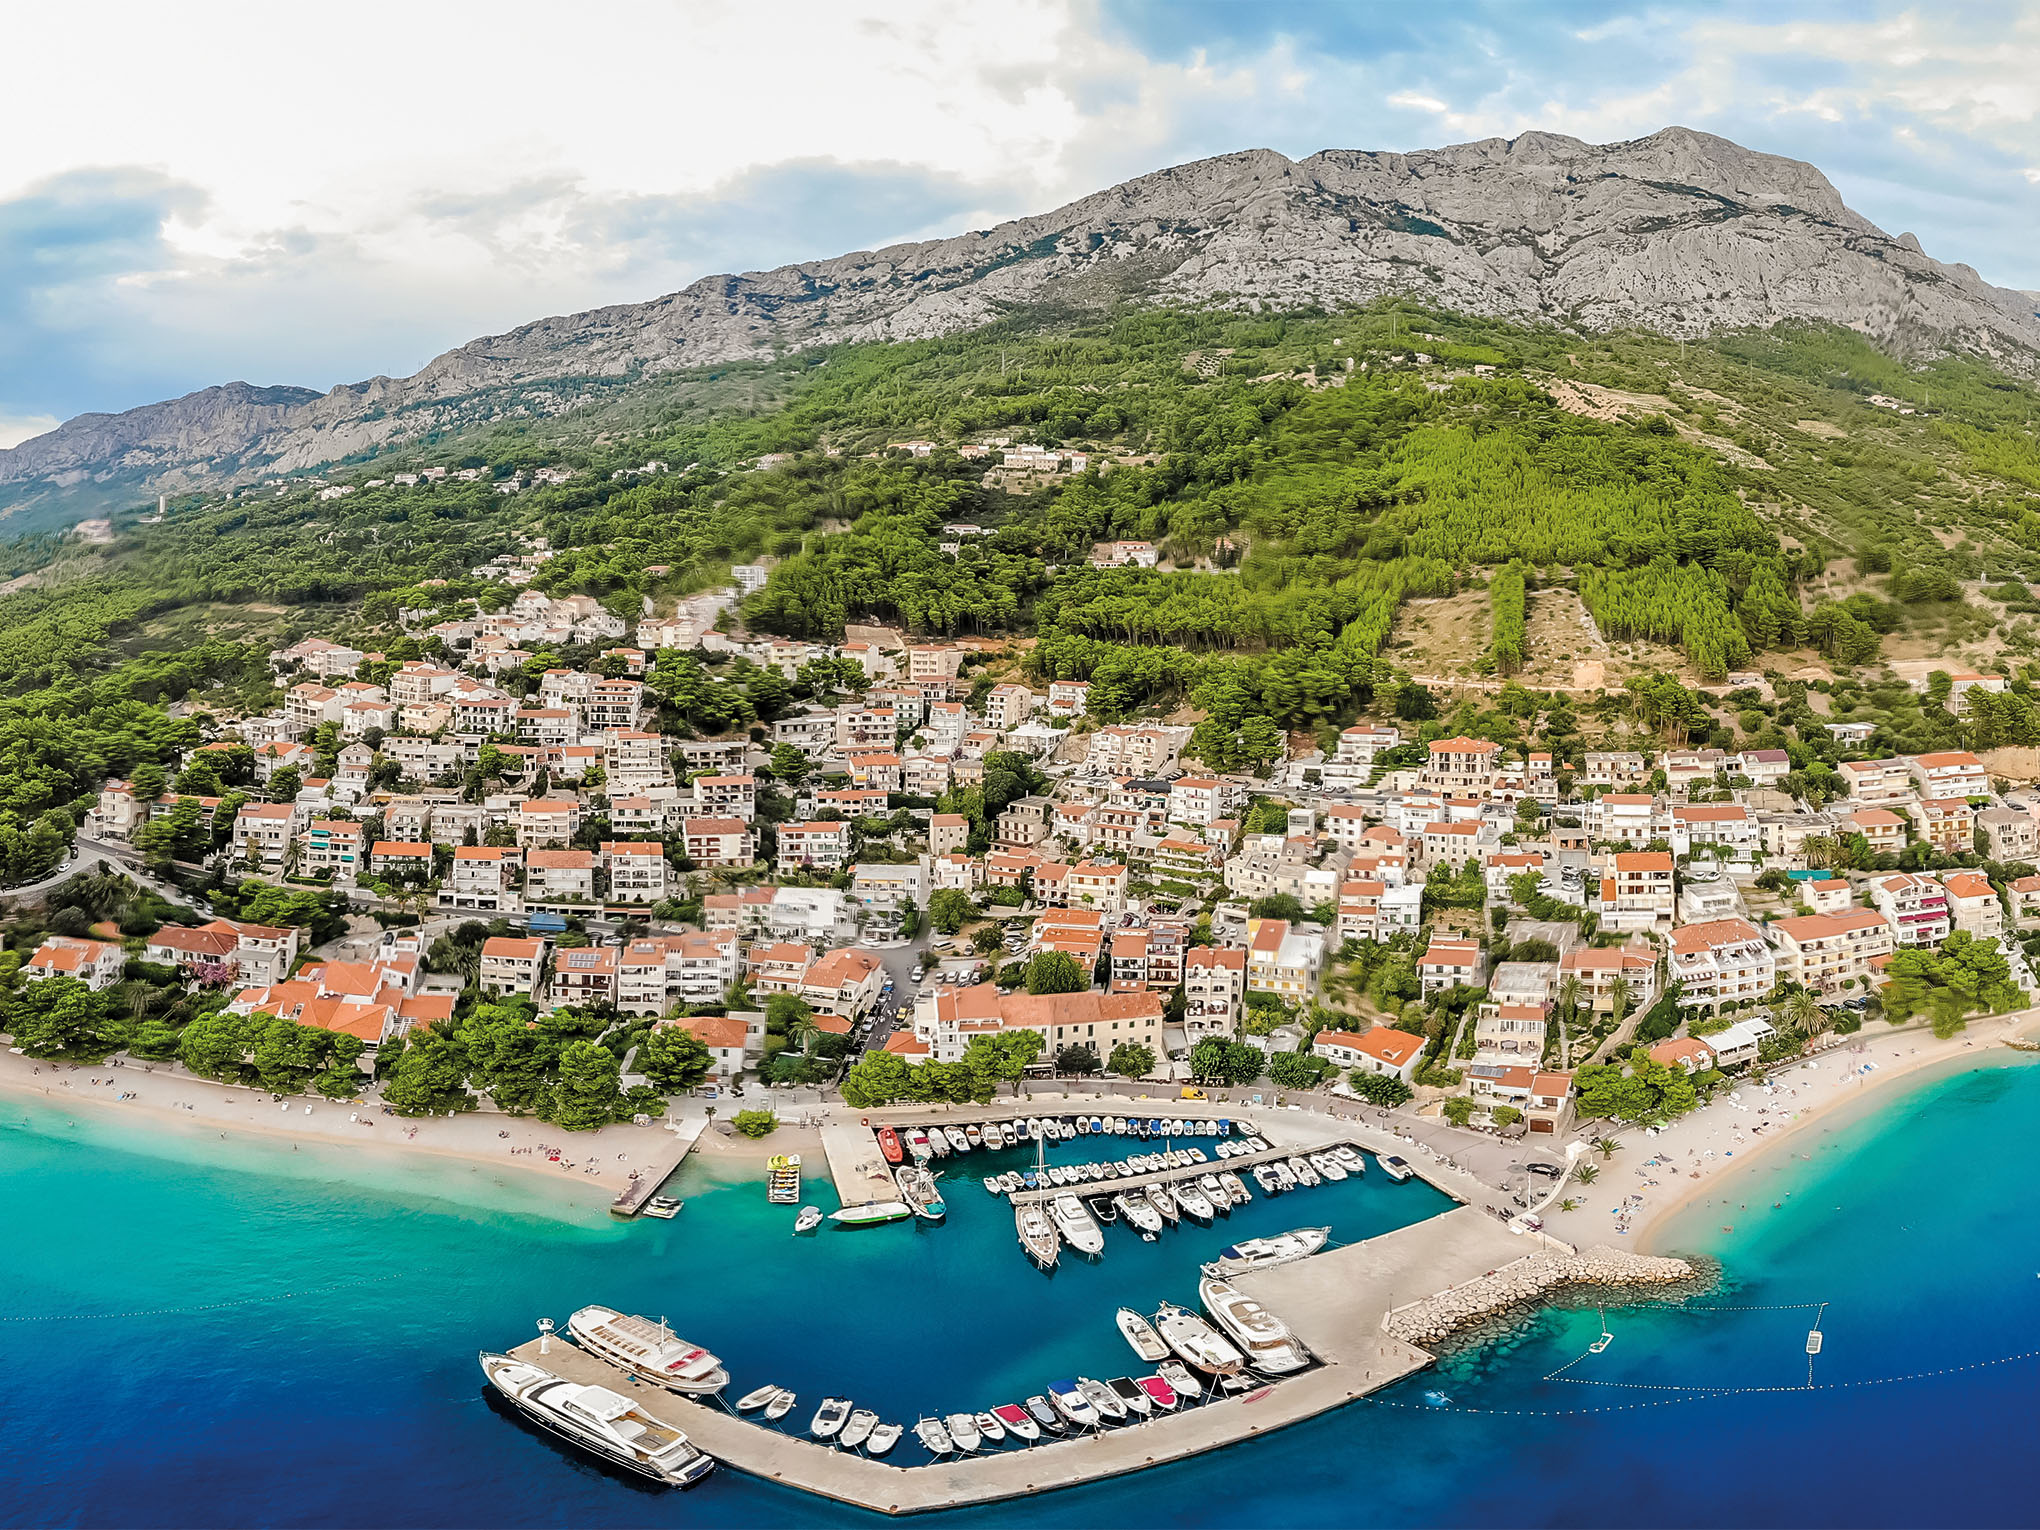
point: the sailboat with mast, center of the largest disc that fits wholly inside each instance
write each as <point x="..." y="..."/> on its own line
<point x="1031" y="1219"/>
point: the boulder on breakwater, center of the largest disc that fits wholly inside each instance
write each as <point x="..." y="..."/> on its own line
<point x="1525" y="1282"/>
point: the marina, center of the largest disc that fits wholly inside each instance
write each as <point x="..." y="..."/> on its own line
<point x="1334" y="1303"/>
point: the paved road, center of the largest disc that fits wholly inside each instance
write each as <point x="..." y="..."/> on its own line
<point x="87" y="858"/>
<point x="902" y="964"/>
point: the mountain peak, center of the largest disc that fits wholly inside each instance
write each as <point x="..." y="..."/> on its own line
<point x="1680" y="231"/>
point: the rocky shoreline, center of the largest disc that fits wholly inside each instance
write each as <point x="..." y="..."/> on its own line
<point x="1527" y="1284"/>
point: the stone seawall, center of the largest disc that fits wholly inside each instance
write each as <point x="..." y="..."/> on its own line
<point x="1525" y="1282"/>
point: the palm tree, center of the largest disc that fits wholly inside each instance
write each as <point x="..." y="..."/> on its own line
<point x="1607" y="1147"/>
<point x="1586" y="1174"/>
<point x="802" y="1031"/>
<point x="1801" y="1012"/>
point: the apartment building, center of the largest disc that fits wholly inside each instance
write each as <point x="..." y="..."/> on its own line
<point x="546" y="821"/>
<point x="1952" y="773"/>
<point x="1948" y="824"/>
<point x="1916" y="908"/>
<point x="1509" y="1033"/>
<point x="1451" y="961"/>
<point x="844" y="982"/>
<point x="1724" y="961"/>
<point x="331" y="845"/>
<point x="1461" y="765"/>
<point x="1598" y="969"/>
<point x="263" y="832"/>
<point x="1384" y="1050"/>
<point x="585" y="975"/>
<point x="1624" y="818"/>
<point x="484" y="878"/>
<point x="1726" y="825"/>
<point x="1638" y="892"/>
<point x="813" y="846"/>
<point x="1214" y="985"/>
<point x="1875" y="781"/>
<point x="1973" y="904"/>
<point x="726" y="841"/>
<point x="512" y="965"/>
<point x="638" y="871"/>
<point x="1281" y="960"/>
<point x="559" y="876"/>
<point x="1098" y="884"/>
<point x="98" y="964"/>
<point x="1830" y="953"/>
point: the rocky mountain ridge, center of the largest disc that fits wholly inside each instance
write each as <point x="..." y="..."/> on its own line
<point x="1680" y="232"/>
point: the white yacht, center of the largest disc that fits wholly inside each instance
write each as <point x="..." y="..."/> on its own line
<point x="647" y="1349"/>
<point x="1255" y="1253"/>
<point x="1265" y="1339"/>
<point x="605" y="1423"/>
<point x="1140" y="1333"/>
<point x="1137" y="1209"/>
<point x="1076" y="1225"/>
<point x="1197" y="1341"/>
<point x="1192" y="1201"/>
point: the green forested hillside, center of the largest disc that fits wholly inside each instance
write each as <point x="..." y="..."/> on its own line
<point x="1738" y="502"/>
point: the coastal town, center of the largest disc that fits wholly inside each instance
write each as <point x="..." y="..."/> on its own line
<point x="927" y="847"/>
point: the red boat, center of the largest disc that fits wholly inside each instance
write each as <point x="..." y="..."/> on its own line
<point x="889" y="1144"/>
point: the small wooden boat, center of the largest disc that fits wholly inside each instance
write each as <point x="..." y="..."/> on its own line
<point x="1103" y="1398"/>
<point x="934" y="1437"/>
<point x="990" y="1427"/>
<point x="883" y="1438"/>
<point x="857" y="1429"/>
<point x="750" y="1402"/>
<point x="829" y="1418"/>
<point x="781" y="1405"/>
<point x="963" y="1430"/>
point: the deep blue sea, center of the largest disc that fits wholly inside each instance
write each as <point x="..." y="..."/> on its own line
<point x="138" y="1396"/>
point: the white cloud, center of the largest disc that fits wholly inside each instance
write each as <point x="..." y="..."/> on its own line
<point x="17" y="428"/>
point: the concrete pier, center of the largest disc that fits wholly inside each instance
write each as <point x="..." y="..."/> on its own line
<point x="632" y="1200"/>
<point x="857" y="1166"/>
<point x="1242" y="1164"/>
<point x="1336" y="1302"/>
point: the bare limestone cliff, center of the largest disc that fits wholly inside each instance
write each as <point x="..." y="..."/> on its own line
<point x="1680" y="232"/>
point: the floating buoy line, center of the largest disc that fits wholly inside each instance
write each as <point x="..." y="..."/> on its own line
<point x="243" y="1301"/>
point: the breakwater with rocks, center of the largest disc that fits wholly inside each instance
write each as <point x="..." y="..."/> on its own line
<point x="1526" y="1284"/>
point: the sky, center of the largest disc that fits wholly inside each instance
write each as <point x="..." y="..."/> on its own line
<point x="217" y="191"/>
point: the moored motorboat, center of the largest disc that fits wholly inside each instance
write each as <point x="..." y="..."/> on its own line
<point x="917" y="1189"/>
<point x="1255" y="1253"/>
<point x="938" y="1142"/>
<point x="606" y="1424"/>
<point x="647" y="1349"/>
<point x="883" y="1438"/>
<point x="1140" y="1334"/>
<point x="857" y="1428"/>
<point x="752" y="1401"/>
<point x="1103" y="1398"/>
<point x="1192" y="1201"/>
<point x="1159" y="1392"/>
<point x="958" y="1142"/>
<point x="889" y="1144"/>
<point x="1351" y="1157"/>
<point x="1328" y="1167"/>
<point x="1043" y="1412"/>
<point x="1070" y="1401"/>
<point x="1075" y="1224"/>
<point x="808" y="1220"/>
<point x="989" y="1426"/>
<point x="1283" y="1178"/>
<point x="781" y="1405"/>
<point x="1303" y="1171"/>
<point x="1197" y="1341"/>
<point x="994" y="1184"/>
<point x="871" y="1213"/>
<point x="933" y="1437"/>
<point x="963" y="1430"/>
<point x="1235" y="1188"/>
<point x="1137" y="1210"/>
<point x="1263" y="1337"/>
<point x="919" y="1146"/>
<point x="1017" y="1422"/>
<point x="1257" y="1143"/>
<point x="1180" y="1376"/>
<point x="972" y="1136"/>
<point x="1130" y="1392"/>
<point x="829" y="1418"/>
<point x="1101" y="1207"/>
<point x="1266" y="1177"/>
<point x="664" y="1207"/>
<point x="1395" y="1166"/>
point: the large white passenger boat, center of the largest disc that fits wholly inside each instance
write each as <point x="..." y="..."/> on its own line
<point x="647" y="1349"/>
<point x="602" y="1422"/>
<point x="1269" y="1346"/>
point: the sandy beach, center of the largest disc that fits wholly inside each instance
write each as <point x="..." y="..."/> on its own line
<point x="1651" y="1180"/>
<point x="588" y="1161"/>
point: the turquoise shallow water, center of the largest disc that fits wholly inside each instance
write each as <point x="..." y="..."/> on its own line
<point x="359" y="1402"/>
